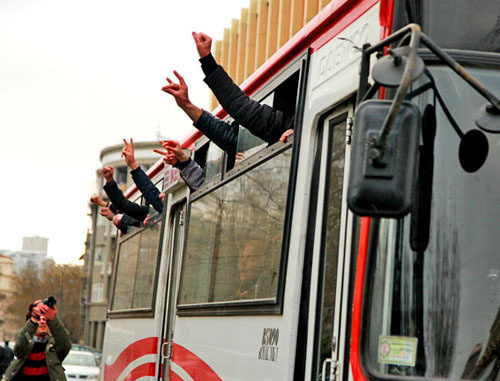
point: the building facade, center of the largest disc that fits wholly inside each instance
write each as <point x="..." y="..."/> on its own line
<point x="7" y="330"/>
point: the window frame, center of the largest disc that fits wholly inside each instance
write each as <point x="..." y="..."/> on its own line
<point x="138" y="312"/>
<point x="271" y="306"/>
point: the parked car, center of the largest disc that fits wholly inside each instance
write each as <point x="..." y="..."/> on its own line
<point x="81" y="365"/>
<point x="96" y="352"/>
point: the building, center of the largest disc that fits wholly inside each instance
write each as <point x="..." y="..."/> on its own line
<point x="35" y="244"/>
<point x="33" y="254"/>
<point x="7" y="331"/>
<point x="100" y="243"/>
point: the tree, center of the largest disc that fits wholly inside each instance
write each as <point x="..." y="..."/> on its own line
<point x="64" y="282"/>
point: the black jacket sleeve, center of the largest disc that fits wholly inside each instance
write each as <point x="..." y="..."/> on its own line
<point x="123" y="205"/>
<point x="223" y="134"/>
<point x="261" y="120"/>
<point x="147" y="188"/>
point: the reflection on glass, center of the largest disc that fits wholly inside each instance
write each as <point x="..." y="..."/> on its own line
<point x="136" y="270"/>
<point x="234" y="246"/>
<point x="125" y="272"/>
<point x="447" y="297"/>
<point x="332" y="243"/>
<point x="148" y="254"/>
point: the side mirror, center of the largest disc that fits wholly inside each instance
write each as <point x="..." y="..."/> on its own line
<point x="384" y="187"/>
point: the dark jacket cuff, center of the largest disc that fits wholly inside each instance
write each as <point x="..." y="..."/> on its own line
<point x="208" y="64"/>
<point x="182" y="164"/>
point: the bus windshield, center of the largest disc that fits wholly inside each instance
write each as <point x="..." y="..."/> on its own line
<point x="435" y="312"/>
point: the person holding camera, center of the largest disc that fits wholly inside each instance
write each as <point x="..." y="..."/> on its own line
<point x="41" y="346"/>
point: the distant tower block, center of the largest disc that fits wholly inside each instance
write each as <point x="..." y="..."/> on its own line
<point x="35" y="244"/>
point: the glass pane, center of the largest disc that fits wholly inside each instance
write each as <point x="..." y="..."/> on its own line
<point x="146" y="268"/>
<point x="332" y="243"/>
<point x="442" y="305"/>
<point x="125" y="273"/>
<point x="215" y="161"/>
<point x="234" y="246"/>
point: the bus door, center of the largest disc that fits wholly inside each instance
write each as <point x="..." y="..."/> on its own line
<point x="175" y="252"/>
<point x="333" y="227"/>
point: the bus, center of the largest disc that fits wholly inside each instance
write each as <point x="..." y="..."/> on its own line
<point x="362" y="248"/>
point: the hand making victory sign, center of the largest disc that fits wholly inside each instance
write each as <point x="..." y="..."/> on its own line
<point x="128" y="154"/>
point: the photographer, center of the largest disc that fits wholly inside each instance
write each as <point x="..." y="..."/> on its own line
<point x="41" y="345"/>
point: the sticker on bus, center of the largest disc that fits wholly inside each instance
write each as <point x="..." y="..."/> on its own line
<point x="397" y="350"/>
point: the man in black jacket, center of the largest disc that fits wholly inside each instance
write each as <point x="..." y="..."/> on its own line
<point x="263" y="121"/>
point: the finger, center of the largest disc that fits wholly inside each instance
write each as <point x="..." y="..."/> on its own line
<point x="131" y="142"/>
<point x="169" y="80"/>
<point x="181" y="80"/>
<point x="204" y="37"/>
<point x="160" y="152"/>
<point x="195" y="36"/>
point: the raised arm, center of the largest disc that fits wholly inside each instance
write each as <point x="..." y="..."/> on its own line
<point x="261" y="120"/>
<point x="190" y="171"/>
<point x="117" y="198"/>
<point x="143" y="182"/>
<point x="221" y="133"/>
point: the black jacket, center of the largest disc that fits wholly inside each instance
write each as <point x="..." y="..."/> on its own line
<point x="261" y="120"/>
<point x="122" y="205"/>
<point x="147" y="188"/>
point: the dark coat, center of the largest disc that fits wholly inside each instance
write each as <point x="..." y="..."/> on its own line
<point x="147" y="188"/>
<point x="261" y="120"/>
<point x="122" y="205"/>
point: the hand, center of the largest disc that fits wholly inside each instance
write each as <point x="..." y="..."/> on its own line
<point x="178" y="90"/>
<point x="286" y="134"/>
<point x="108" y="172"/>
<point x="36" y="310"/>
<point x="106" y="212"/>
<point x="48" y="312"/>
<point x="174" y="147"/>
<point x="203" y="43"/>
<point x="162" y="196"/>
<point x="146" y="220"/>
<point x="117" y="219"/>
<point x="169" y="157"/>
<point x="97" y="200"/>
<point x="128" y="154"/>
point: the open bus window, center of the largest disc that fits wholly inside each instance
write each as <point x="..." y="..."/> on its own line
<point x="235" y="234"/>
<point x="136" y="270"/>
<point x="283" y="98"/>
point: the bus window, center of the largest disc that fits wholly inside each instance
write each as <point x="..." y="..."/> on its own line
<point x="283" y="98"/>
<point x="214" y="162"/>
<point x="135" y="271"/>
<point x="235" y="234"/>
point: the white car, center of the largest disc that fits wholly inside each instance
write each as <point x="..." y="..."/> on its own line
<point x="79" y="365"/>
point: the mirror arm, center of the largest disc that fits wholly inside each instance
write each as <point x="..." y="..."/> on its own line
<point x="378" y="146"/>
<point x="460" y="70"/>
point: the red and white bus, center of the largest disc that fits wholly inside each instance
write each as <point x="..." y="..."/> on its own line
<point x="265" y="274"/>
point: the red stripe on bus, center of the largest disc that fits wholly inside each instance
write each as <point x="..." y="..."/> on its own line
<point x="35" y="371"/>
<point x="132" y="352"/>
<point x="143" y="370"/>
<point x="37" y="356"/>
<point x="357" y="371"/>
<point x="198" y="369"/>
<point x="172" y="376"/>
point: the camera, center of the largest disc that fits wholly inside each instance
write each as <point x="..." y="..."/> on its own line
<point x="50" y="301"/>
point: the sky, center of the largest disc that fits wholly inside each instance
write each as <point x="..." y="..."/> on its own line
<point x="77" y="76"/>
